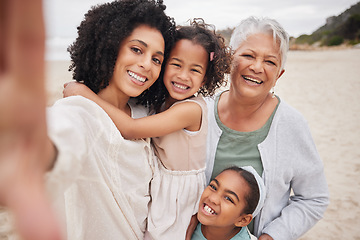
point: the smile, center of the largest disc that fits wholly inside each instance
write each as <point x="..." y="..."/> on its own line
<point x="137" y="77"/>
<point x="252" y="80"/>
<point x="209" y="210"/>
<point x="181" y="86"/>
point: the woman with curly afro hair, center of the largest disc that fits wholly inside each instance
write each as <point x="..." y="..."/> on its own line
<point x="96" y="49"/>
<point x="99" y="181"/>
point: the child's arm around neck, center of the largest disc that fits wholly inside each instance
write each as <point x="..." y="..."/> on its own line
<point x="186" y="115"/>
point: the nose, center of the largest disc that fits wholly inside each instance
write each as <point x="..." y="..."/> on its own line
<point x="145" y="62"/>
<point x="257" y="66"/>
<point x="214" y="198"/>
<point x="183" y="74"/>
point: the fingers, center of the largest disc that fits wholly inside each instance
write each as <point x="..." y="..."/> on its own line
<point x="66" y="92"/>
<point x="73" y="88"/>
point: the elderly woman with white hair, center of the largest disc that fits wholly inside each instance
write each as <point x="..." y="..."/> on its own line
<point x="250" y="125"/>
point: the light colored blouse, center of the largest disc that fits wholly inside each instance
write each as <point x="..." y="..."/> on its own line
<point x="100" y="182"/>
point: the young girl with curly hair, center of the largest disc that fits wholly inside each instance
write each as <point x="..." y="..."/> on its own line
<point x="195" y="67"/>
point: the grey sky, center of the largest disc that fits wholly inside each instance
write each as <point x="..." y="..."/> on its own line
<point x="297" y="17"/>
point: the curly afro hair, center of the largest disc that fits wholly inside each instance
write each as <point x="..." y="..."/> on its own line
<point x="100" y="34"/>
<point x="204" y="35"/>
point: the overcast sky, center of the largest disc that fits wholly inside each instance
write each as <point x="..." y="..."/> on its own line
<point x="297" y="16"/>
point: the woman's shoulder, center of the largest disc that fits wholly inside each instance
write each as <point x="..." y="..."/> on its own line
<point x="75" y="104"/>
<point x="287" y="112"/>
<point x="74" y="101"/>
<point x="78" y="109"/>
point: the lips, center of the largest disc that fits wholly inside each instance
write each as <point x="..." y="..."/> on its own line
<point x="180" y="86"/>
<point x="137" y="77"/>
<point x="208" y="210"/>
<point x="253" y="80"/>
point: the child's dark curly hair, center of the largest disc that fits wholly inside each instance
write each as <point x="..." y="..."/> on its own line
<point x="100" y="34"/>
<point x="204" y="34"/>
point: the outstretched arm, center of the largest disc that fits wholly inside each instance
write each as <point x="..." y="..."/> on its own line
<point x="185" y="115"/>
<point x="25" y="150"/>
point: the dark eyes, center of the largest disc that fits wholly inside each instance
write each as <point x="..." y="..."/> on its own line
<point x="137" y="50"/>
<point x="251" y="57"/>
<point x="247" y="56"/>
<point x="271" y="62"/>
<point x="229" y="199"/>
<point x="157" y="61"/>
<point x="212" y="186"/>
<point x="175" y="64"/>
<point x="195" y="70"/>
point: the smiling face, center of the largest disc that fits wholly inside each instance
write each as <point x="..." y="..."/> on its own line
<point x="138" y="63"/>
<point x="223" y="201"/>
<point x="256" y="66"/>
<point x="185" y="70"/>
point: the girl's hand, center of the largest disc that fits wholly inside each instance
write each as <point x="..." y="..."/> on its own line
<point x="75" y="88"/>
<point x="265" y="237"/>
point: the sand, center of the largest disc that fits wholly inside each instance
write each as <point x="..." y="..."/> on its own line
<point x="324" y="86"/>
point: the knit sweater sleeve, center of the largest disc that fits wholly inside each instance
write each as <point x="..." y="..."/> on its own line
<point x="294" y="175"/>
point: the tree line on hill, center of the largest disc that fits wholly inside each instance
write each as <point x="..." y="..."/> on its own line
<point x="344" y="28"/>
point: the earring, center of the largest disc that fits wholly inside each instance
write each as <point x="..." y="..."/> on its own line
<point x="273" y="92"/>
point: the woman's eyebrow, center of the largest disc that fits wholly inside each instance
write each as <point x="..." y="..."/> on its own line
<point x="146" y="45"/>
<point x="140" y="41"/>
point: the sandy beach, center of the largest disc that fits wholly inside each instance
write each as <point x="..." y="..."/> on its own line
<point x="324" y="86"/>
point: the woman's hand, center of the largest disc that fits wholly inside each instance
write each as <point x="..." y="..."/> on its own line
<point x="25" y="149"/>
<point x="265" y="237"/>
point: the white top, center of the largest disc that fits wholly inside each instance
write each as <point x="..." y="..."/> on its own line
<point x="100" y="181"/>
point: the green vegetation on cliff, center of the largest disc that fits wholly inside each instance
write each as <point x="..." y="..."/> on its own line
<point x="337" y="30"/>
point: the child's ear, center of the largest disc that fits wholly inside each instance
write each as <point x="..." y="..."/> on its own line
<point x="243" y="220"/>
<point x="204" y="81"/>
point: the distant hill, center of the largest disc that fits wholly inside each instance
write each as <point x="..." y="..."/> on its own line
<point x="344" y="28"/>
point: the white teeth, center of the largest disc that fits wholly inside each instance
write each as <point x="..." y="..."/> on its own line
<point x="180" y="86"/>
<point x="137" y="77"/>
<point x="208" y="209"/>
<point x="253" y="80"/>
